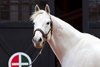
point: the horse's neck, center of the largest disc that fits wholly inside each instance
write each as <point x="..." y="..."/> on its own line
<point x="64" y="37"/>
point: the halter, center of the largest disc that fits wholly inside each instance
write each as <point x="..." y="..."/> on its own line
<point x="43" y="34"/>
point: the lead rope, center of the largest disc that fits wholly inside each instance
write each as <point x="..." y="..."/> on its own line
<point x="40" y="52"/>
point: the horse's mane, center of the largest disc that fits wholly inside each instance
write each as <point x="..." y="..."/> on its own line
<point x="36" y="13"/>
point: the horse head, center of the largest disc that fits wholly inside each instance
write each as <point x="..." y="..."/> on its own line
<point x="42" y="26"/>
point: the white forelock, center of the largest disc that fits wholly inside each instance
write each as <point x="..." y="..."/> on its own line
<point x="36" y="13"/>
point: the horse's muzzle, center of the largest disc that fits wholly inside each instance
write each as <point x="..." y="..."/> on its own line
<point x="38" y="44"/>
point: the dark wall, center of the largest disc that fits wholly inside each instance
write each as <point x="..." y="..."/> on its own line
<point x="19" y="39"/>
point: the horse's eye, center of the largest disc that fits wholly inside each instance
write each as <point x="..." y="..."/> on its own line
<point x="48" y="23"/>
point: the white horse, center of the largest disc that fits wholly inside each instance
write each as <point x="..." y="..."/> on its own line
<point x="71" y="47"/>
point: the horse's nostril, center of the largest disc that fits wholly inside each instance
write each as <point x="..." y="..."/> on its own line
<point x="40" y="39"/>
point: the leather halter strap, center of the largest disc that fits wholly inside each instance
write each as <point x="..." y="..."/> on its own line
<point x="43" y="34"/>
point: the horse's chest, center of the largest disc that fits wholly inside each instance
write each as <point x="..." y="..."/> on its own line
<point x="72" y="60"/>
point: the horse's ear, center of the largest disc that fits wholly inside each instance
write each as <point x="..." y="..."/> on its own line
<point x="37" y="8"/>
<point x="47" y="9"/>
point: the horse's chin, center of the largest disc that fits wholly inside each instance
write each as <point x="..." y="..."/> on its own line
<point x="38" y="46"/>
